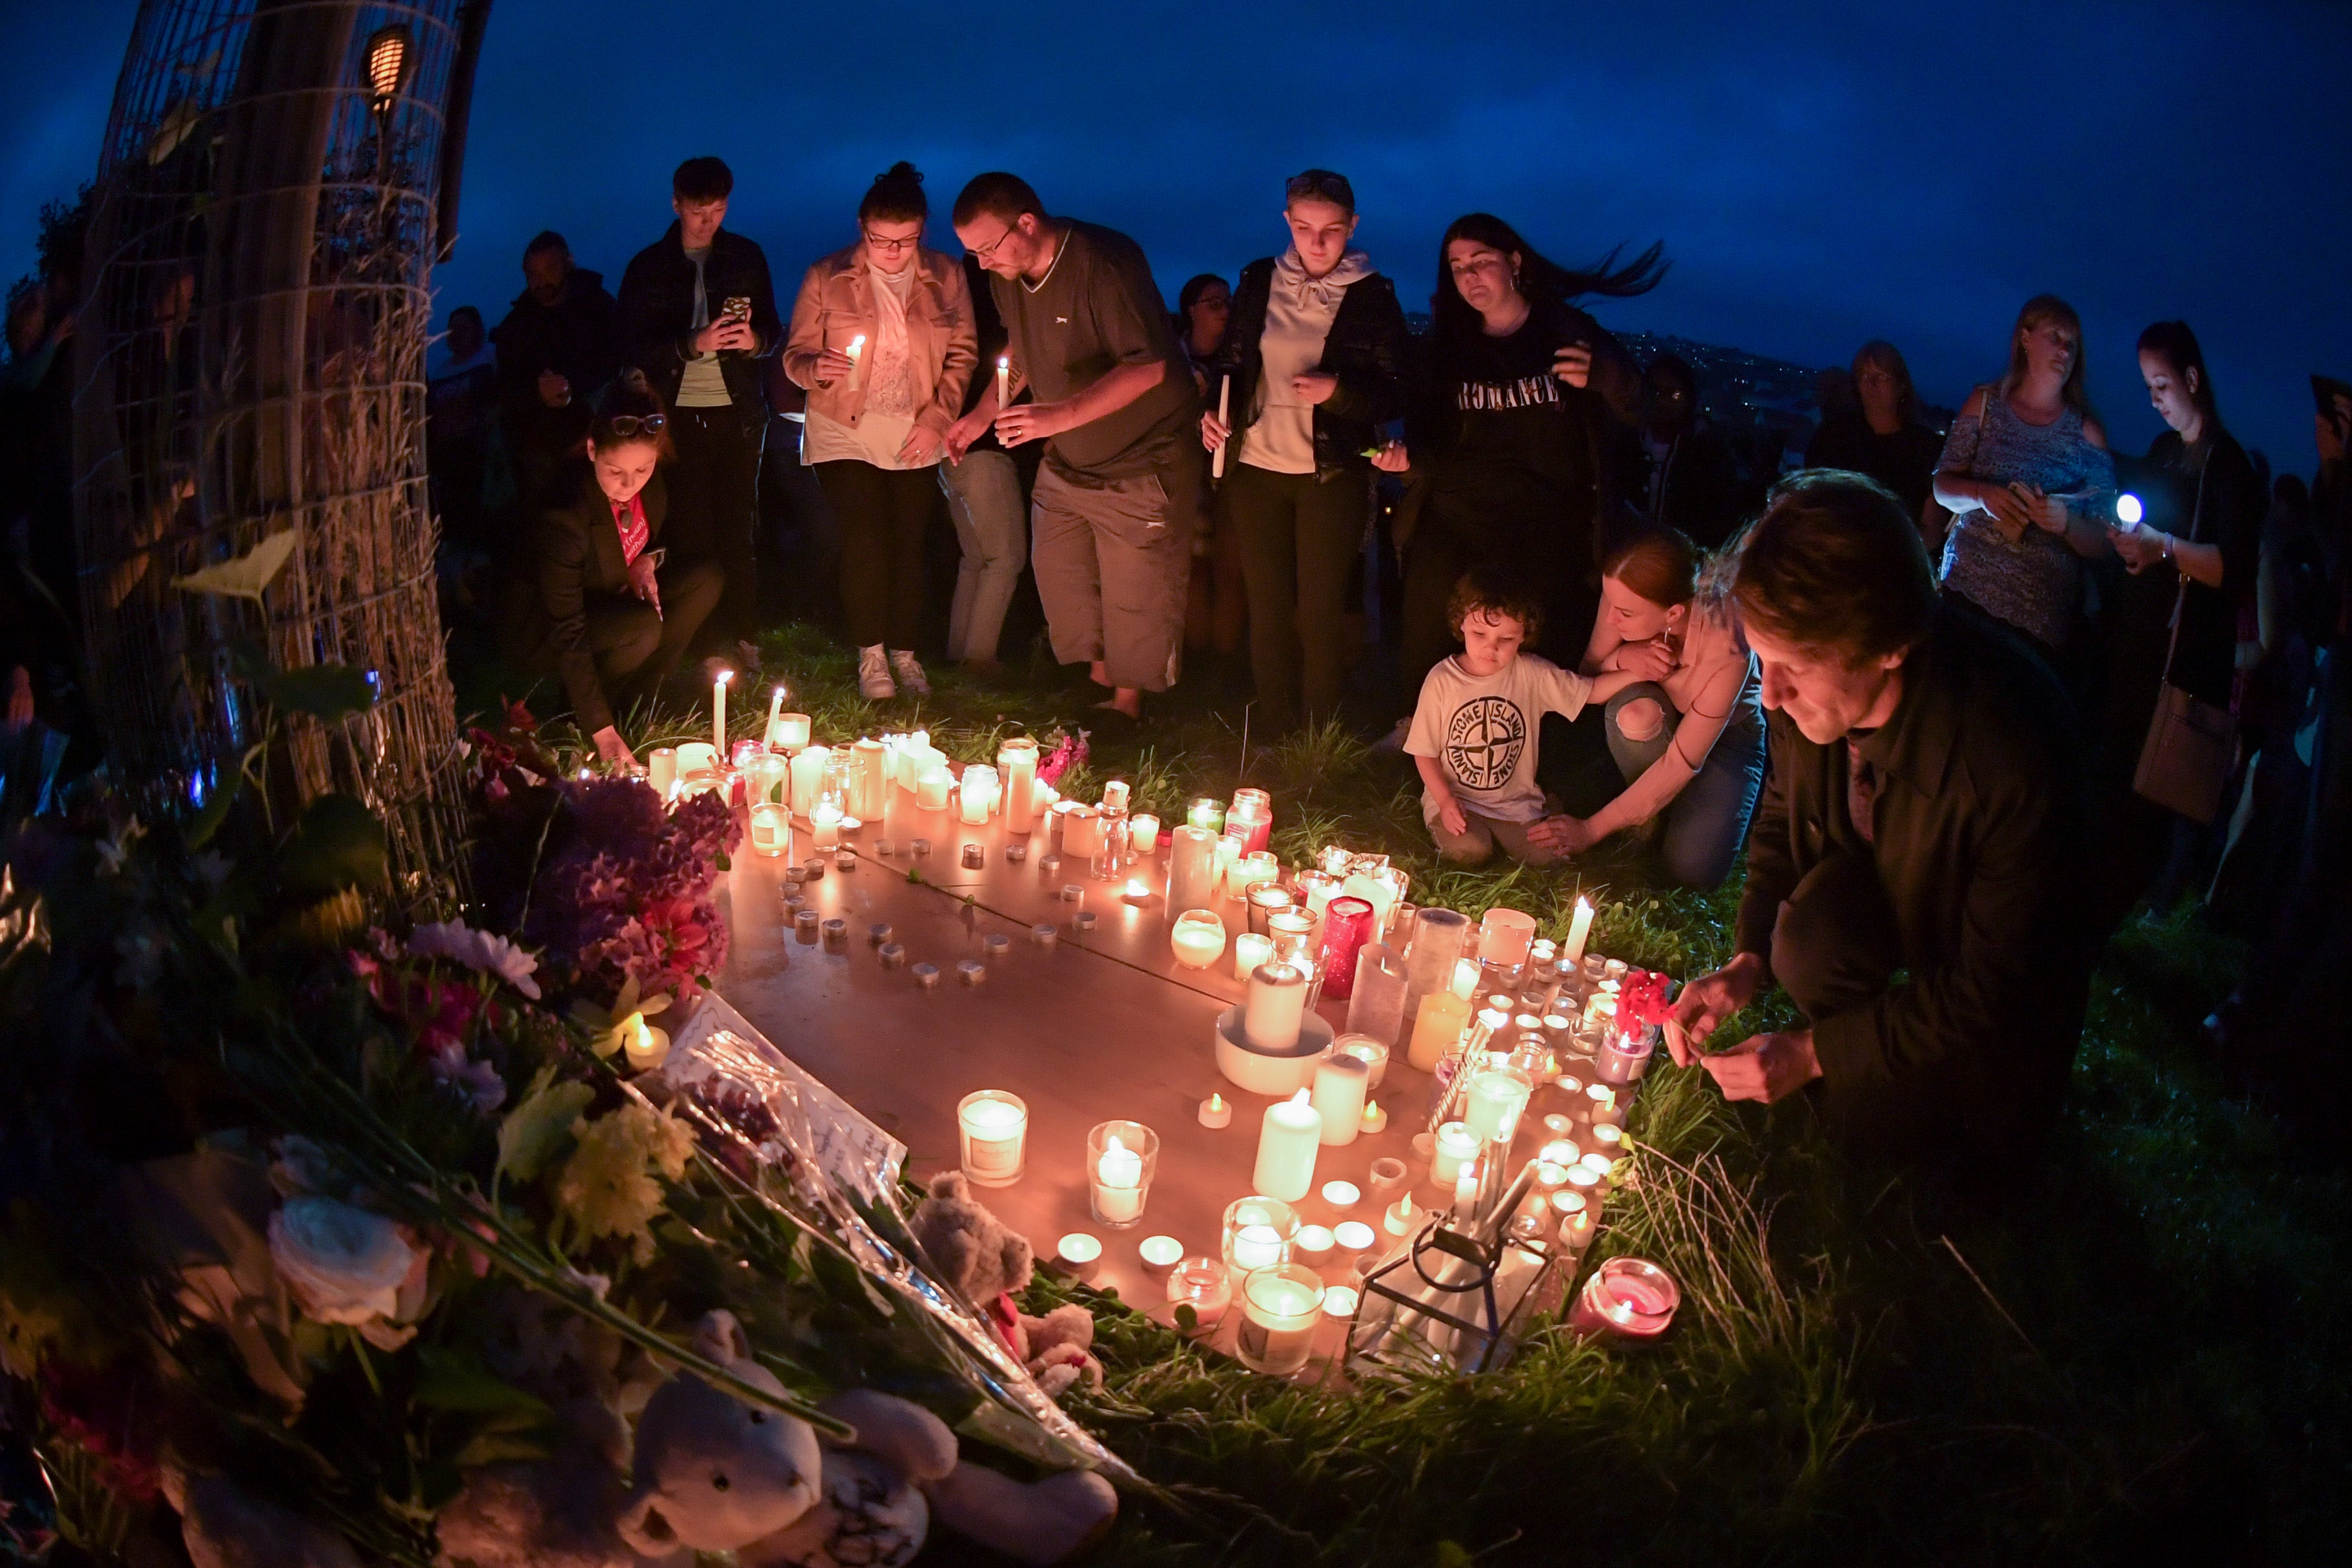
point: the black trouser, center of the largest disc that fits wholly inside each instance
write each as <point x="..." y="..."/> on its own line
<point x="883" y="514"/>
<point x="1298" y="536"/>
<point x="1436" y="560"/>
<point x="714" y="497"/>
<point x="636" y="648"/>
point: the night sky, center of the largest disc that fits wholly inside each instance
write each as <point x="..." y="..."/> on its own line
<point x="1819" y="174"/>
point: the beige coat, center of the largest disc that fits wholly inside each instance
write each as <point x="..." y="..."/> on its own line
<point x="836" y="304"/>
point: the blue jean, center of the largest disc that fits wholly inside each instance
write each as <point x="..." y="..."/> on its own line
<point x="1708" y="822"/>
<point x="983" y="495"/>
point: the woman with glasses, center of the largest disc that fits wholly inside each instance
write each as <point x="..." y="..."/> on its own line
<point x="1521" y="401"/>
<point x="1315" y="353"/>
<point x="883" y="342"/>
<point x="606" y="608"/>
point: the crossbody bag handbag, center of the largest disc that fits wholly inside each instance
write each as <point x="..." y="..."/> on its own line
<point x="2185" y="761"/>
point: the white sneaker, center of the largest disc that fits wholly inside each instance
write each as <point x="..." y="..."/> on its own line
<point x="910" y="671"/>
<point x="873" y="682"/>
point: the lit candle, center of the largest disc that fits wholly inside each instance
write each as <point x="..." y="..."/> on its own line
<point x="1122" y="1155"/>
<point x="1224" y="397"/>
<point x="856" y="362"/>
<point x="1339" y="1094"/>
<point x="1400" y="1217"/>
<point x="1273" y="1011"/>
<point x="772" y="830"/>
<point x="1191" y="869"/>
<point x="1205" y="811"/>
<point x="1252" y="809"/>
<point x="1435" y="1031"/>
<point x="1204" y="1285"/>
<point x="1465" y="978"/>
<point x="1081" y="832"/>
<point x="808" y="778"/>
<point x="1626" y="1297"/>
<point x="661" y="771"/>
<point x="1491" y="1108"/>
<point x="1143" y="832"/>
<point x="1370" y="1052"/>
<point x="1374" y="1119"/>
<point x="1003" y="383"/>
<point x="775" y="710"/>
<point x="1352" y="1235"/>
<point x="1280" y="1309"/>
<point x="1258" y="1231"/>
<point x="1160" y="1253"/>
<point x="1017" y="760"/>
<point x="1339" y="1301"/>
<point x="931" y="787"/>
<point x="719" y="710"/>
<point x="1249" y="870"/>
<point x="1314" y="1244"/>
<point x="824" y="825"/>
<point x="1228" y="855"/>
<point x="976" y="793"/>
<point x="1079" y="1253"/>
<point x="1453" y="1150"/>
<point x="1574" y="1213"/>
<point x="1465" y="1196"/>
<point x="1250" y="951"/>
<point x="1286" y="1142"/>
<point x="1504" y="936"/>
<point x="1216" y="1111"/>
<point x="1599" y="1101"/>
<point x="1579" y="926"/>
<point x="1263" y="900"/>
<point x="1375" y="891"/>
<point x="647" y="1047"/>
<point x="1198" y="938"/>
<point x="994" y="1126"/>
<point x="1341" y="1194"/>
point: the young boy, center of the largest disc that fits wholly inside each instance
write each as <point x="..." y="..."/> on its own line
<point x="1473" y="731"/>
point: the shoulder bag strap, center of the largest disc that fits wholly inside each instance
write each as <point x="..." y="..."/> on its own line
<point x="2180" y="598"/>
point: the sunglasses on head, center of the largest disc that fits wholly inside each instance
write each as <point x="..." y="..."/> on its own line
<point x="636" y="424"/>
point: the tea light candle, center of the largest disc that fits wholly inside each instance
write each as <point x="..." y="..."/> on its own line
<point x="1609" y="1139"/>
<point x="824" y="825"/>
<point x="1083" y="922"/>
<point x="975" y="858"/>
<point x="931" y="787"/>
<point x="1314" y="1244"/>
<point x="1044" y="936"/>
<point x="1626" y="1297"/>
<point x="1579" y="926"/>
<point x="971" y="971"/>
<point x="1120" y="1156"/>
<point x="1078" y="1253"/>
<point x="1573" y="1214"/>
<point x="1251" y="952"/>
<point x="1288" y="1139"/>
<point x="1465" y="1196"/>
<point x="1339" y="1301"/>
<point x="1602" y="1166"/>
<point x="719" y="710"/>
<point x="1341" y="1194"/>
<point x="1372" y="1053"/>
<point x="1402" y="1216"/>
<point x="772" y="831"/>
<point x="1216" y="1111"/>
<point x="1204" y="1285"/>
<point x="927" y="975"/>
<point x="661" y="770"/>
<point x="993" y="1127"/>
<point x="1492" y="1106"/>
<point x="1197" y="937"/>
<point x="1277" y="1004"/>
<point x="645" y="1047"/>
<point x="1560" y="1152"/>
<point x="1280" y="1308"/>
<point x="1352" y="1235"/>
<point x="1160" y="1253"/>
<point x="1583" y="1180"/>
<point x="1143" y="833"/>
<point x="1339" y="1097"/>
<point x="1454" y="1148"/>
<point x="1373" y="1120"/>
<point x="1387" y="1175"/>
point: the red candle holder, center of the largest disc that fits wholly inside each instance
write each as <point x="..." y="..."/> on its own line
<point x="1346" y="926"/>
<point x="1627" y="1298"/>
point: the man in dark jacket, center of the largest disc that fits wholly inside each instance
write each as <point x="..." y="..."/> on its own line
<point x="558" y="347"/>
<point x="1691" y="482"/>
<point x="1914" y="871"/>
<point x="697" y="315"/>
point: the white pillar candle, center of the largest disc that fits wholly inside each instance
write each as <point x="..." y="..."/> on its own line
<point x="1579" y="926"/>
<point x="1286" y="1142"/>
<point x="808" y="778"/>
<point x="1017" y="760"/>
<point x="1003" y="383"/>
<point x="994" y="1126"/>
<point x="1250" y="951"/>
<point x="1281" y="1309"/>
<point x="1339" y="1084"/>
<point x="1143" y="832"/>
<point x="772" y="830"/>
<point x="719" y="710"/>
<point x="661" y="770"/>
<point x="870" y="780"/>
<point x="1453" y="1150"/>
<point x="1492" y="1106"/>
<point x="1273" y="1011"/>
<point x="932" y="788"/>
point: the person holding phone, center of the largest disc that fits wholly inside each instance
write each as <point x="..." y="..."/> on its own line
<point x="609" y="607"/>
<point x="883" y="339"/>
<point x="697" y="315"/>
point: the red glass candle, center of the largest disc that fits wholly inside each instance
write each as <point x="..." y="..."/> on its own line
<point x="1627" y="1298"/>
<point x="1347" y="925"/>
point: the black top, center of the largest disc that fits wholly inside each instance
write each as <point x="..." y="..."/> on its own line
<point x="1366" y="348"/>
<point x="656" y="308"/>
<point x="578" y="338"/>
<point x="991" y="329"/>
<point x="1980" y="825"/>
<point x="579" y="559"/>
<point x="2139" y="608"/>
<point x="1695" y="487"/>
<point x="1904" y="462"/>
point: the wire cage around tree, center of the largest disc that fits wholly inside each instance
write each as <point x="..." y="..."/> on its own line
<point x="249" y="363"/>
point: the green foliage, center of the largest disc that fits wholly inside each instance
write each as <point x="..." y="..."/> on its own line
<point x="338" y="844"/>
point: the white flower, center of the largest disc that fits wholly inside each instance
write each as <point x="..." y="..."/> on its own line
<point x="478" y="950"/>
<point x="343" y="1264"/>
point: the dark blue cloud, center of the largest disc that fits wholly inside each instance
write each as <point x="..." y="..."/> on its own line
<point x="1821" y="174"/>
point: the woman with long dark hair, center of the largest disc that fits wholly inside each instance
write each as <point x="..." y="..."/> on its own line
<point x="2198" y="546"/>
<point x="1507" y="441"/>
<point x="878" y="421"/>
<point x="2025" y="474"/>
<point x="1315" y="364"/>
<point x="1203" y="306"/>
<point x="1881" y="436"/>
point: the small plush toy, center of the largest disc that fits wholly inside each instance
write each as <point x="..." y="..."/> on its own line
<point x="713" y="1473"/>
<point x="555" y="1512"/>
<point x="990" y="1263"/>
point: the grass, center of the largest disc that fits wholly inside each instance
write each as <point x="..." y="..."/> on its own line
<point x="2150" y="1360"/>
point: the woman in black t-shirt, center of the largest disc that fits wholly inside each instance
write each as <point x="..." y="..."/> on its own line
<point x="1507" y="438"/>
<point x="1883" y="437"/>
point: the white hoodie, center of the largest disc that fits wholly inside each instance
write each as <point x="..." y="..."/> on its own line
<point x="1299" y="311"/>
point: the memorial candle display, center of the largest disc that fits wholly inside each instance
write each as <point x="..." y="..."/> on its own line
<point x="1120" y="1159"/>
<point x="1198" y="938"/>
<point x="1251" y="952"/>
<point x="1628" y="1297"/>
<point x="1340" y="1082"/>
<point x="991" y="1128"/>
<point x="1191" y="869"/>
<point x="1280" y="1309"/>
<point x="1346" y="926"/>
<point x="718" y="711"/>
<point x="1579" y="926"/>
<point x="1277" y="1004"/>
<point x="808" y="778"/>
<point x="1286" y="1142"/>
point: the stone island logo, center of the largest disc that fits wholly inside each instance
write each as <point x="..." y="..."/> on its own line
<point x="1484" y="739"/>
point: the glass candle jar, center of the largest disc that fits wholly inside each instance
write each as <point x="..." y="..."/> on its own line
<point x="772" y="830"/>
<point x="1454" y="1148"/>
<point x="1628" y="1297"/>
<point x="992" y="1134"/>
<point x="1258" y="1233"/>
<point x="1121" y="1157"/>
<point x="1204" y="1285"/>
<point x="1281" y="1308"/>
<point x="1264" y="899"/>
<point x="1250" y="951"/>
<point x="1346" y="926"/>
<point x="1198" y="938"/>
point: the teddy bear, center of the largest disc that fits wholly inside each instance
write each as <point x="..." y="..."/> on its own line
<point x="558" y="1511"/>
<point x="989" y="1263"/>
<point x="714" y="1479"/>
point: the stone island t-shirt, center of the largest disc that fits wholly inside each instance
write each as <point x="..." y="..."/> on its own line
<point x="1482" y="730"/>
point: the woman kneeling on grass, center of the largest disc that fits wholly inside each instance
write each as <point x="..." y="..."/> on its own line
<point x="1688" y="733"/>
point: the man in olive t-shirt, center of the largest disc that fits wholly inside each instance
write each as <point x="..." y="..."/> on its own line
<point x="1089" y="337"/>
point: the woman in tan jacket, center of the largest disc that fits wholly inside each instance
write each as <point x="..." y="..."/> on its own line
<point x="883" y="339"/>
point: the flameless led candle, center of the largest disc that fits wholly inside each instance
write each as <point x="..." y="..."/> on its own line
<point x="772" y="830"/>
<point x="1272" y="1013"/>
<point x="1373" y="1120"/>
<point x="1491" y="1108"/>
<point x="1120" y="1157"/>
<point x="931" y="787"/>
<point x="1435" y="1031"/>
<point x="1339" y="1096"/>
<point x="1579" y="926"/>
<point x="1286" y="1142"/>
<point x="1251" y="952"/>
<point x="1453" y="1150"/>
<point x="1573" y="1213"/>
<point x="718" y="711"/>
<point x="661" y="770"/>
<point x="1143" y="832"/>
<point x="993" y="1126"/>
<point x="1258" y="1231"/>
<point x="1402" y="1216"/>
<point x="1216" y="1111"/>
<point x="1599" y="1101"/>
<point x="1198" y="938"/>
<point x="1280" y="1309"/>
<point x="1191" y="869"/>
<point x="645" y="1047"/>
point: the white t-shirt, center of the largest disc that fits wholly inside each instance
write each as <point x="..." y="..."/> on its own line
<point x="1482" y="730"/>
<point x="703" y="385"/>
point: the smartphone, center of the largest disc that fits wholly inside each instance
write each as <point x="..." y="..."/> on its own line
<point x="738" y="306"/>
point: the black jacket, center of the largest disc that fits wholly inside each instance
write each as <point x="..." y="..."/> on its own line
<point x="1695" y="488"/>
<point x="579" y="338"/>
<point x="1979" y="827"/>
<point x="1366" y="348"/>
<point x="577" y="562"/>
<point x="658" y="314"/>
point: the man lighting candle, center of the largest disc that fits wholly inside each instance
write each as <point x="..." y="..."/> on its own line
<point x="1913" y="873"/>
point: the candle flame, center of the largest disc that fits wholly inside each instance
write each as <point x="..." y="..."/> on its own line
<point x="1003" y="362"/>
<point x="1584" y="906"/>
<point x="1302" y="1096"/>
<point x="1216" y="1100"/>
<point x="1113" y="1146"/>
<point x="724" y="676"/>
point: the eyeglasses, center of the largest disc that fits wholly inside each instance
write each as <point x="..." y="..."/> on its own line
<point x="893" y="246"/>
<point x="984" y="254"/>
<point x="626" y="425"/>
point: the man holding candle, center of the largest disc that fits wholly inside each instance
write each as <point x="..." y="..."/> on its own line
<point x="1914" y="874"/>
<point x="1112" y="511"/>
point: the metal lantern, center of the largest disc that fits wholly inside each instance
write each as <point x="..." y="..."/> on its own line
<point x="1452" y="1302"/>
